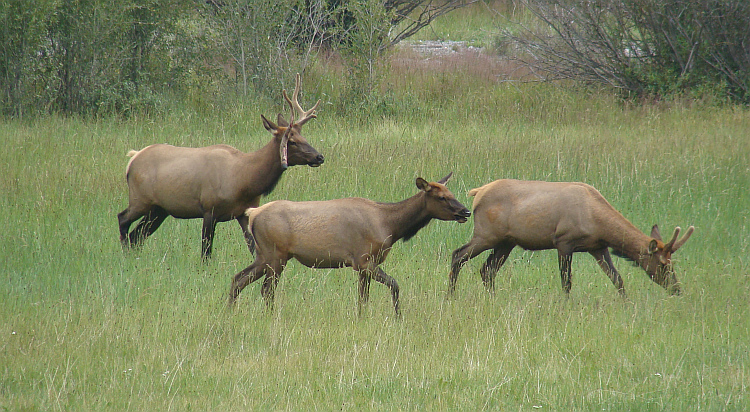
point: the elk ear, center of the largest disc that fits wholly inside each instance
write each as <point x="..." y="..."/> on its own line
<point x="281" y="121"/>
<point x="268" y="124"/>
<point x="423" y="185"/>
<point x="655" y="232"/>
<point x="653" y="246"/>
<point x="446" y="179"/>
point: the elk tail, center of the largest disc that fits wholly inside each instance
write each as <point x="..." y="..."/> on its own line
<point x="477" y="193"/>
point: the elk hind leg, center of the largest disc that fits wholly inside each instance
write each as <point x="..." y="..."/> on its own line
<point x="124" y="220"/>
<point x="146" y="227"/>
<point x="459" y="257"/>
<point x="494" y="262"/>
<point x="268" y="290"/>
<point x="245" y="277"/>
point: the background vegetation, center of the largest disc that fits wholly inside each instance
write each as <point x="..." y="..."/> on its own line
<point x="643" y="47"/>
<point x="86" y="327"/>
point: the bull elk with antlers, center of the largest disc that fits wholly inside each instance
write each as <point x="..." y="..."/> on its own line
<point x="215" y="183"/>
<point x="569" y="217"/>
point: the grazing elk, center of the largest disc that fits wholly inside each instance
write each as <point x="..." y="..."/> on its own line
<point x="215" y="183"/>
<point x="569" y="217"/>
<point x="352" y="232"/>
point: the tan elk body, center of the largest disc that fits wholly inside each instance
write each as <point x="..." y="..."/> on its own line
<point x="352" y="232"/>
<point x="215" y="183"/>
<point x="569" y="217"/>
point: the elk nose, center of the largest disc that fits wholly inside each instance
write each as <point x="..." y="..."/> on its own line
<point x="465" y="213"/>
<point x="320" y="158"/>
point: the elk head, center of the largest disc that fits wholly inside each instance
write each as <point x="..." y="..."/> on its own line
<point x="293" y="137"/>
<point x="658" y="260"/>
<point x="441" y="204"/>
<point x="293" y="148"/>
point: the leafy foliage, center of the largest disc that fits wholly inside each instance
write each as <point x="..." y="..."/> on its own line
<point x="97" y="57"/>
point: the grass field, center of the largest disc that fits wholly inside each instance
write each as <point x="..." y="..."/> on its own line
<point x="87" y="327"/>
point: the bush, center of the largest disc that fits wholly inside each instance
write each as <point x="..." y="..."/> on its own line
<point x="644" y="47"/>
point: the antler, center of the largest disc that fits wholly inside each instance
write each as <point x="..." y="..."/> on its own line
<point x="675" y="244"/>
<point x="669" y="244"/>
<point x="684" y="239"/>
<point x="304" y="116"/>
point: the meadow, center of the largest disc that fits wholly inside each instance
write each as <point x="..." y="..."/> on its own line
<point x="88" y="327"/>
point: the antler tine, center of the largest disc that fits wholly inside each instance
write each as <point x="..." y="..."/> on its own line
<point x="304" y="116"/>
<point x="684" y="239"/>
<point x="669" y="245"/>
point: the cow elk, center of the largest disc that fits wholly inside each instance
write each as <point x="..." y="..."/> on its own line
<point x="569" y="217"/>
<point x="352" y="232"/>
<point x="215" y="183"/>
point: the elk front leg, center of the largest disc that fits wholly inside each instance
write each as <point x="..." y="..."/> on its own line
<point x="207" y="235"/>
<point x="605" y="262"/>
<point x="380" y="276"/>
<point x="564" y="259"/>
<point x="243" y="221"/>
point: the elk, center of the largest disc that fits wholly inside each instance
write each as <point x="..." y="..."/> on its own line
<point x="569" y="217"/>
<point x="352" y="232"/>
<point x="216" y="183"/>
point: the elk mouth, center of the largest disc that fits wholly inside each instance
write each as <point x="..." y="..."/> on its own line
<point x="462" y="216"/>
<point x="317" y="162"/>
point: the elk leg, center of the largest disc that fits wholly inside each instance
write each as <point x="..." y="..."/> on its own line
<point x="243" y="221"/>
<point x="124" y="220"/>
<point x="494" y="262"/>
<point x="459" y="258"/>
<point x="379" y="275"/>
<point x="207" y="235"/>
<point x="147" y="226"/>
<point x="364" y="290"/>
<point x="245" y="277"/>
<point x="564" y="259"/>
<point x="605" y="262"/>
<point x="268" y="290"/>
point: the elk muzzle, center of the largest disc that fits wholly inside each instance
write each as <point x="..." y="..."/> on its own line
<point x="317" y="161"/>
<point x="462" y="215"/>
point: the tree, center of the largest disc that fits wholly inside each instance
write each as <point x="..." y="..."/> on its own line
<point x="642" y="46"/>
<point x="22" y="27"/>
<point x="410" y="16"/>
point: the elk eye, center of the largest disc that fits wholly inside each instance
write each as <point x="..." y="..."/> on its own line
<point x="292" y="143"/>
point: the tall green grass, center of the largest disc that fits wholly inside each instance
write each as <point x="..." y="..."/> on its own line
<point x="88" y="327"/>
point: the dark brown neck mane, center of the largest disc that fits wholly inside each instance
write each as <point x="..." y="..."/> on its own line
<point x="407" y="217"/>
